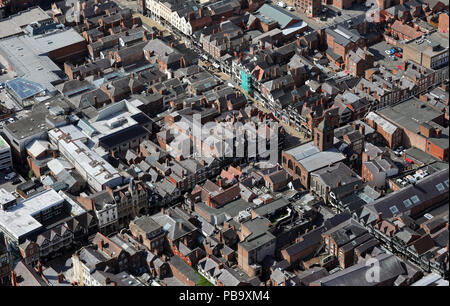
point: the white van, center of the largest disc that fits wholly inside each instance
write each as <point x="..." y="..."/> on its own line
<point x="282" y="4"/>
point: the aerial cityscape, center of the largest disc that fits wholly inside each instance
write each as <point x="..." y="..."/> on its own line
<point x="223" y="143"/>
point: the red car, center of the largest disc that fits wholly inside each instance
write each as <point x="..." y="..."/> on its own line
<point x="398" y="54"/>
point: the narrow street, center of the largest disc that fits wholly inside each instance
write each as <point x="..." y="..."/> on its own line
<point x="147" y="21"/>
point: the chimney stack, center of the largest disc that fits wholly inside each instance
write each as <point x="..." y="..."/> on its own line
<point x="362" y="129"/>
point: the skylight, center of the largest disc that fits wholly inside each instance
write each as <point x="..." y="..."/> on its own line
<point x="415" y="199"/>
<point x="407" y="203"/>
<point x="394" y="209"/>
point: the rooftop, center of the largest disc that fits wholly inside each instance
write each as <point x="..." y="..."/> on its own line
<point x="18" y="220"/>
<point x="311" y="158"/>
<point x="270" y="13"/>
<point x="413" y="113"/>
<point x="14" y="25"/>
<point x="72" y="142"/>
<point x="28" y="55"/>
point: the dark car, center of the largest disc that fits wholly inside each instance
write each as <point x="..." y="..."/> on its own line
<point x="16" y="181"/>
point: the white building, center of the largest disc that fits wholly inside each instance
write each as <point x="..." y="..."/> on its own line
<point x="117" y="127"/>
<point x="24" y="219"/>
<point x="5" y="154"/>
<point x="173" y="12"/>
<point x="77" y="149"/>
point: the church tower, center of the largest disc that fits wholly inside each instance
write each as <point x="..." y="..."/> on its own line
<point x="324" y="134"/>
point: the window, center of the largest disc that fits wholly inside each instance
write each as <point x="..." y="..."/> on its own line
<point x="394" y="209"/>
<point x="446" y="183"/>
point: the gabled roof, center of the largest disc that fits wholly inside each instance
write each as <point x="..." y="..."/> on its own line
<point x="405" y="199"/>
<point x="390" y="268"/>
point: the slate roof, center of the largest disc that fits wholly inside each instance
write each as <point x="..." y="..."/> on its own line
<point x="184" y="268"/>
<point x="396" y="203"/>
<point x="390" y="268"/>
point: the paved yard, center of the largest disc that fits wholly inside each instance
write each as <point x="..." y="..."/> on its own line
<point x="381" y="58"/>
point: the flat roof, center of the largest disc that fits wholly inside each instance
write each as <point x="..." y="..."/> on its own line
<point x="76" y="150"/>
<point x="271" y="207"/>
<point x="115" y="117"/>
<point x="5" y="196"/>
<point x="34" y="124"/>
<point x="411" y="114"/>
<point x="18" y="220"/>
<point x="426" y="42"/>
<point x="28" y="55"/>
<point x="14" y="24"/>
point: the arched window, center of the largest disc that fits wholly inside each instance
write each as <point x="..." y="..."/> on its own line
<point x="297" y="171"/>
<point x="290" y="166"/>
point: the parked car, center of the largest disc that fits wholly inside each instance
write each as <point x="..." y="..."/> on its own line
<point x="16" y="181"/>
<point x="391" y="51"/>
<point x="10" y="176"/>
<point x="290" y="8"/>
<point x="398" y="54"/>
<point x="281" y="4"/>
